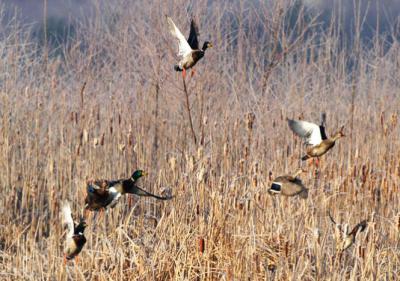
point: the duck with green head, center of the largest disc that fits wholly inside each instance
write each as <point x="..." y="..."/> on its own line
<point x="102" y="194"/>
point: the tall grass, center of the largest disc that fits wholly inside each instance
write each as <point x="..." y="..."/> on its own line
<point x="112" y="103"/>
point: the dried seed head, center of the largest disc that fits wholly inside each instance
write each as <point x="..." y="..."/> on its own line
<point x="250" y="117"/>
<point x="201" y="245"/>
<point x="85" y="136"/>
<point x="121" y="147"/>
<point x="190" y="163"/>
<point x="200" y="152"/>
<point x="241" y="165"/>
<point x="102" y="140"/>
<point x="172" y="163"/>
<point x="201" y="175"/>
<point x="226" y="149"/>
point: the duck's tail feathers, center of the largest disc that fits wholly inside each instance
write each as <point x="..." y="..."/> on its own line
<point x="305" y="157"/>
<point x="304" y="194"/>
<point x="177" y="68"/>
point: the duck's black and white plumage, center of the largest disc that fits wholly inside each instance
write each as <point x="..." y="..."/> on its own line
<point x="315" y="137"/>
<point x="75" y="239"/>
<point x="344" y="238"/>
<point x="289" y="185"/>
<point x="106" y="193"/>
<point x="188" y="50"/>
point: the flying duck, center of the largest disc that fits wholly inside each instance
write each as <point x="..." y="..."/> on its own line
<point x="75" y="239"/>
<point x="189" y="50"/>
<point x="315" y="137"/>
<point x="289" y="185"/>
<point x="106" y="193"/>
<point x="345" y="239"/>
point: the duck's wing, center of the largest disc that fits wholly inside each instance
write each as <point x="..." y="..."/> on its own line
<point x="184" y="47"/>
<point x="193" y="35"/>
<point x="359" y="227"/>
<point x="67" y="218"/>
<point x="98" y="187"/>
<point x="322" y="131"/>
<point x="307" y="130"/>
<point x="322" y="126"/>
<point x="141" y="192"/>
<point x="338" y="228"/>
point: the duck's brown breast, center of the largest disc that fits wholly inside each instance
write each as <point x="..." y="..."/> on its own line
<point x="321" y="149"/>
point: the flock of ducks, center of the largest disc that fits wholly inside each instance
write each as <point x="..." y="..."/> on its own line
<point x="317" y="144"/>
<point x="103" y="194"/>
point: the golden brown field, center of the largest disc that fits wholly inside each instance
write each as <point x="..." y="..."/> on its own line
<point x="109" y="102"/>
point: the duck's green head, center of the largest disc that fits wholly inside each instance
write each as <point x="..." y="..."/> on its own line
<point x="207" y="45"/>
<point x="138" y="174"/>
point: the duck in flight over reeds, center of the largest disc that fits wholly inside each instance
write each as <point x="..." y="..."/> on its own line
<point x="102" y="194"/>
<point x="345" y="239"/>
<point x="289" y="185"/>
<point x="75" y="239"/>
<point x="315" y="137"/>
<point x="189" y="50"/>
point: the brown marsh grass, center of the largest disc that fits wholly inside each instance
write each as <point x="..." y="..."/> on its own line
<point x="112" y="103"/>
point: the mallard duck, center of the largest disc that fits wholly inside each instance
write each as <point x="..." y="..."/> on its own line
<point x="189" y="50"/>
<point x="315" y="137"/>
<point x="289" y="185"/>
<point x="75" y="239"/>
<point x="106" y="193"/>
<point x="345" y="239"/>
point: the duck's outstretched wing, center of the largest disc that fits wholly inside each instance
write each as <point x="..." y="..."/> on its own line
<point x="307" y="130"/>
<point x="141" y="192"/>
<point x="67" y="218"/>
<point x="193" y="39"/>
<point x="359" y="227"/>
<point x="184" y="47"/>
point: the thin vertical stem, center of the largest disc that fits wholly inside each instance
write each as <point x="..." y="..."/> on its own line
<point x="189" y="111"/>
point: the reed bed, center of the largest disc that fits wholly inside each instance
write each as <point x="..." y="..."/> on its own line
<point x="109" y="102"/>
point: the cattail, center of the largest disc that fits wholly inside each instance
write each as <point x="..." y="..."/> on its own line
<point x="221" y="181"/>
<point x="130" y="139"/>
<point x="226" y="149"/>
<point x="364" y="173"/>
<point x="257" y="262"/>
<point x="102" y="140"/>
<point x="250" y="117"/>
<point x="246" y="152"/>
<point x="255" y="167"/>
<point x="201" y="245"/>
<point x="255" y="181"/>
<point x="241" y="165"/>
<point x="361" y="251"/>
<point x="398" y="222"/>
